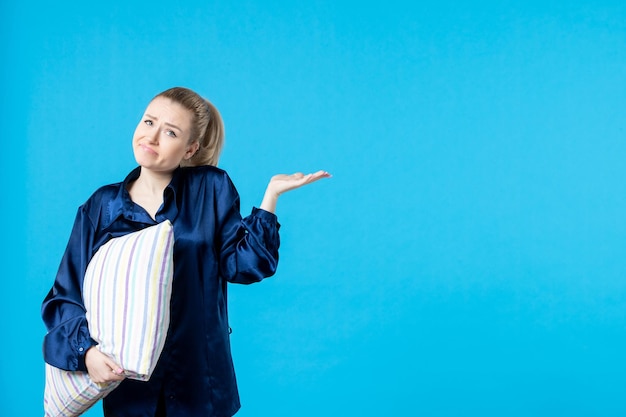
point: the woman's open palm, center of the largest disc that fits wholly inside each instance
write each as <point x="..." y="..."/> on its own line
<point x="282" y="183"/>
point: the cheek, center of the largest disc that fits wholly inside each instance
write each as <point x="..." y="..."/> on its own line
<point x="137" y="133"/>
<point x="167" y="145"/>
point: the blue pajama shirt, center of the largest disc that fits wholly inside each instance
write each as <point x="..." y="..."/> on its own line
<point x="213" y="245"/>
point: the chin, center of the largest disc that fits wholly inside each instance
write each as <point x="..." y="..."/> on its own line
<point x="143" y="161"/>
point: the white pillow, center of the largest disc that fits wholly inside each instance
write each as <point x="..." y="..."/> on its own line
<point x="126" y="291"/>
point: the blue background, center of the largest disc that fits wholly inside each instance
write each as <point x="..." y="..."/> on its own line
<point x="467" y="257"/>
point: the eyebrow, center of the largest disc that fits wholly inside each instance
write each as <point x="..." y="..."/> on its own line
<point x="166" y="123"/>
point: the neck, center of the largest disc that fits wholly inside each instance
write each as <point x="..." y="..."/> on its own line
<point x="153" y="182"/>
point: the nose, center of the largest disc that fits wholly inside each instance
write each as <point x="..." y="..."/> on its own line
<point x="153" y="135"/>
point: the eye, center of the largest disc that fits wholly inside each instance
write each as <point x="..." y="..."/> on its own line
<point x="170" y="133"/>
<point x="148" y="122"/>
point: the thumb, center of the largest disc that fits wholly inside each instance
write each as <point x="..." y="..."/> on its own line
<point x="114" y="366"/>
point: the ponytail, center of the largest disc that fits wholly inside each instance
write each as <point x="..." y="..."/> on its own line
<point x="207" y="126"/>
<point x="211" y="142"/>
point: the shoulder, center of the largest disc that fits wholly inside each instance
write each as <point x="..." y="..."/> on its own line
<point x="103" y="195"/>
<point x="112" y="192"/>
<point x="203" y="170"/>
<point x="204" y="174"/>
<point x="101" y="202"/>
<point x="204" y="182"/>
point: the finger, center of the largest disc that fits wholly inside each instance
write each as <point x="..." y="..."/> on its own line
<point x="116" y="377"/>
<point x="318" y="176"/>
<point x="309" y="178"/>
<point x="114" y="367"/>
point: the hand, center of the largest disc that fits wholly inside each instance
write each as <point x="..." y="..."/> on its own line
<point x="101" y="368"/>
<point x="282" y="183"/>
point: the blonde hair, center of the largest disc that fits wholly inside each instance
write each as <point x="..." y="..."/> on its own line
<point x="207" y="127"/>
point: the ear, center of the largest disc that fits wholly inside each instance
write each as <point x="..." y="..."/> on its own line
<point x="191" y="150"/>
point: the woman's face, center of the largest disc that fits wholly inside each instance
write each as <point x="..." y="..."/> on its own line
<point x="161" y="139"/>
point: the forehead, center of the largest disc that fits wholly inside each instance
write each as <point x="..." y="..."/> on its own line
<point x="169" y="111"/>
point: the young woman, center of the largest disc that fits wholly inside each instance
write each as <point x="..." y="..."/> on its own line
<point x="176" y="145"/>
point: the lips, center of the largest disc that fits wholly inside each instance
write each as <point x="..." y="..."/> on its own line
<point x="147" y="149"/>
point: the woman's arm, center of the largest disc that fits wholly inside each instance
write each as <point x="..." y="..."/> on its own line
<point x="248" y="248"/>
<point x="63" y="310"/>
<point x="282" y="183"/>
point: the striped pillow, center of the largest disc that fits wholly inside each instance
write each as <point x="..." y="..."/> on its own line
<point x="126" y="291"/>
<point x="71" y="393"/>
